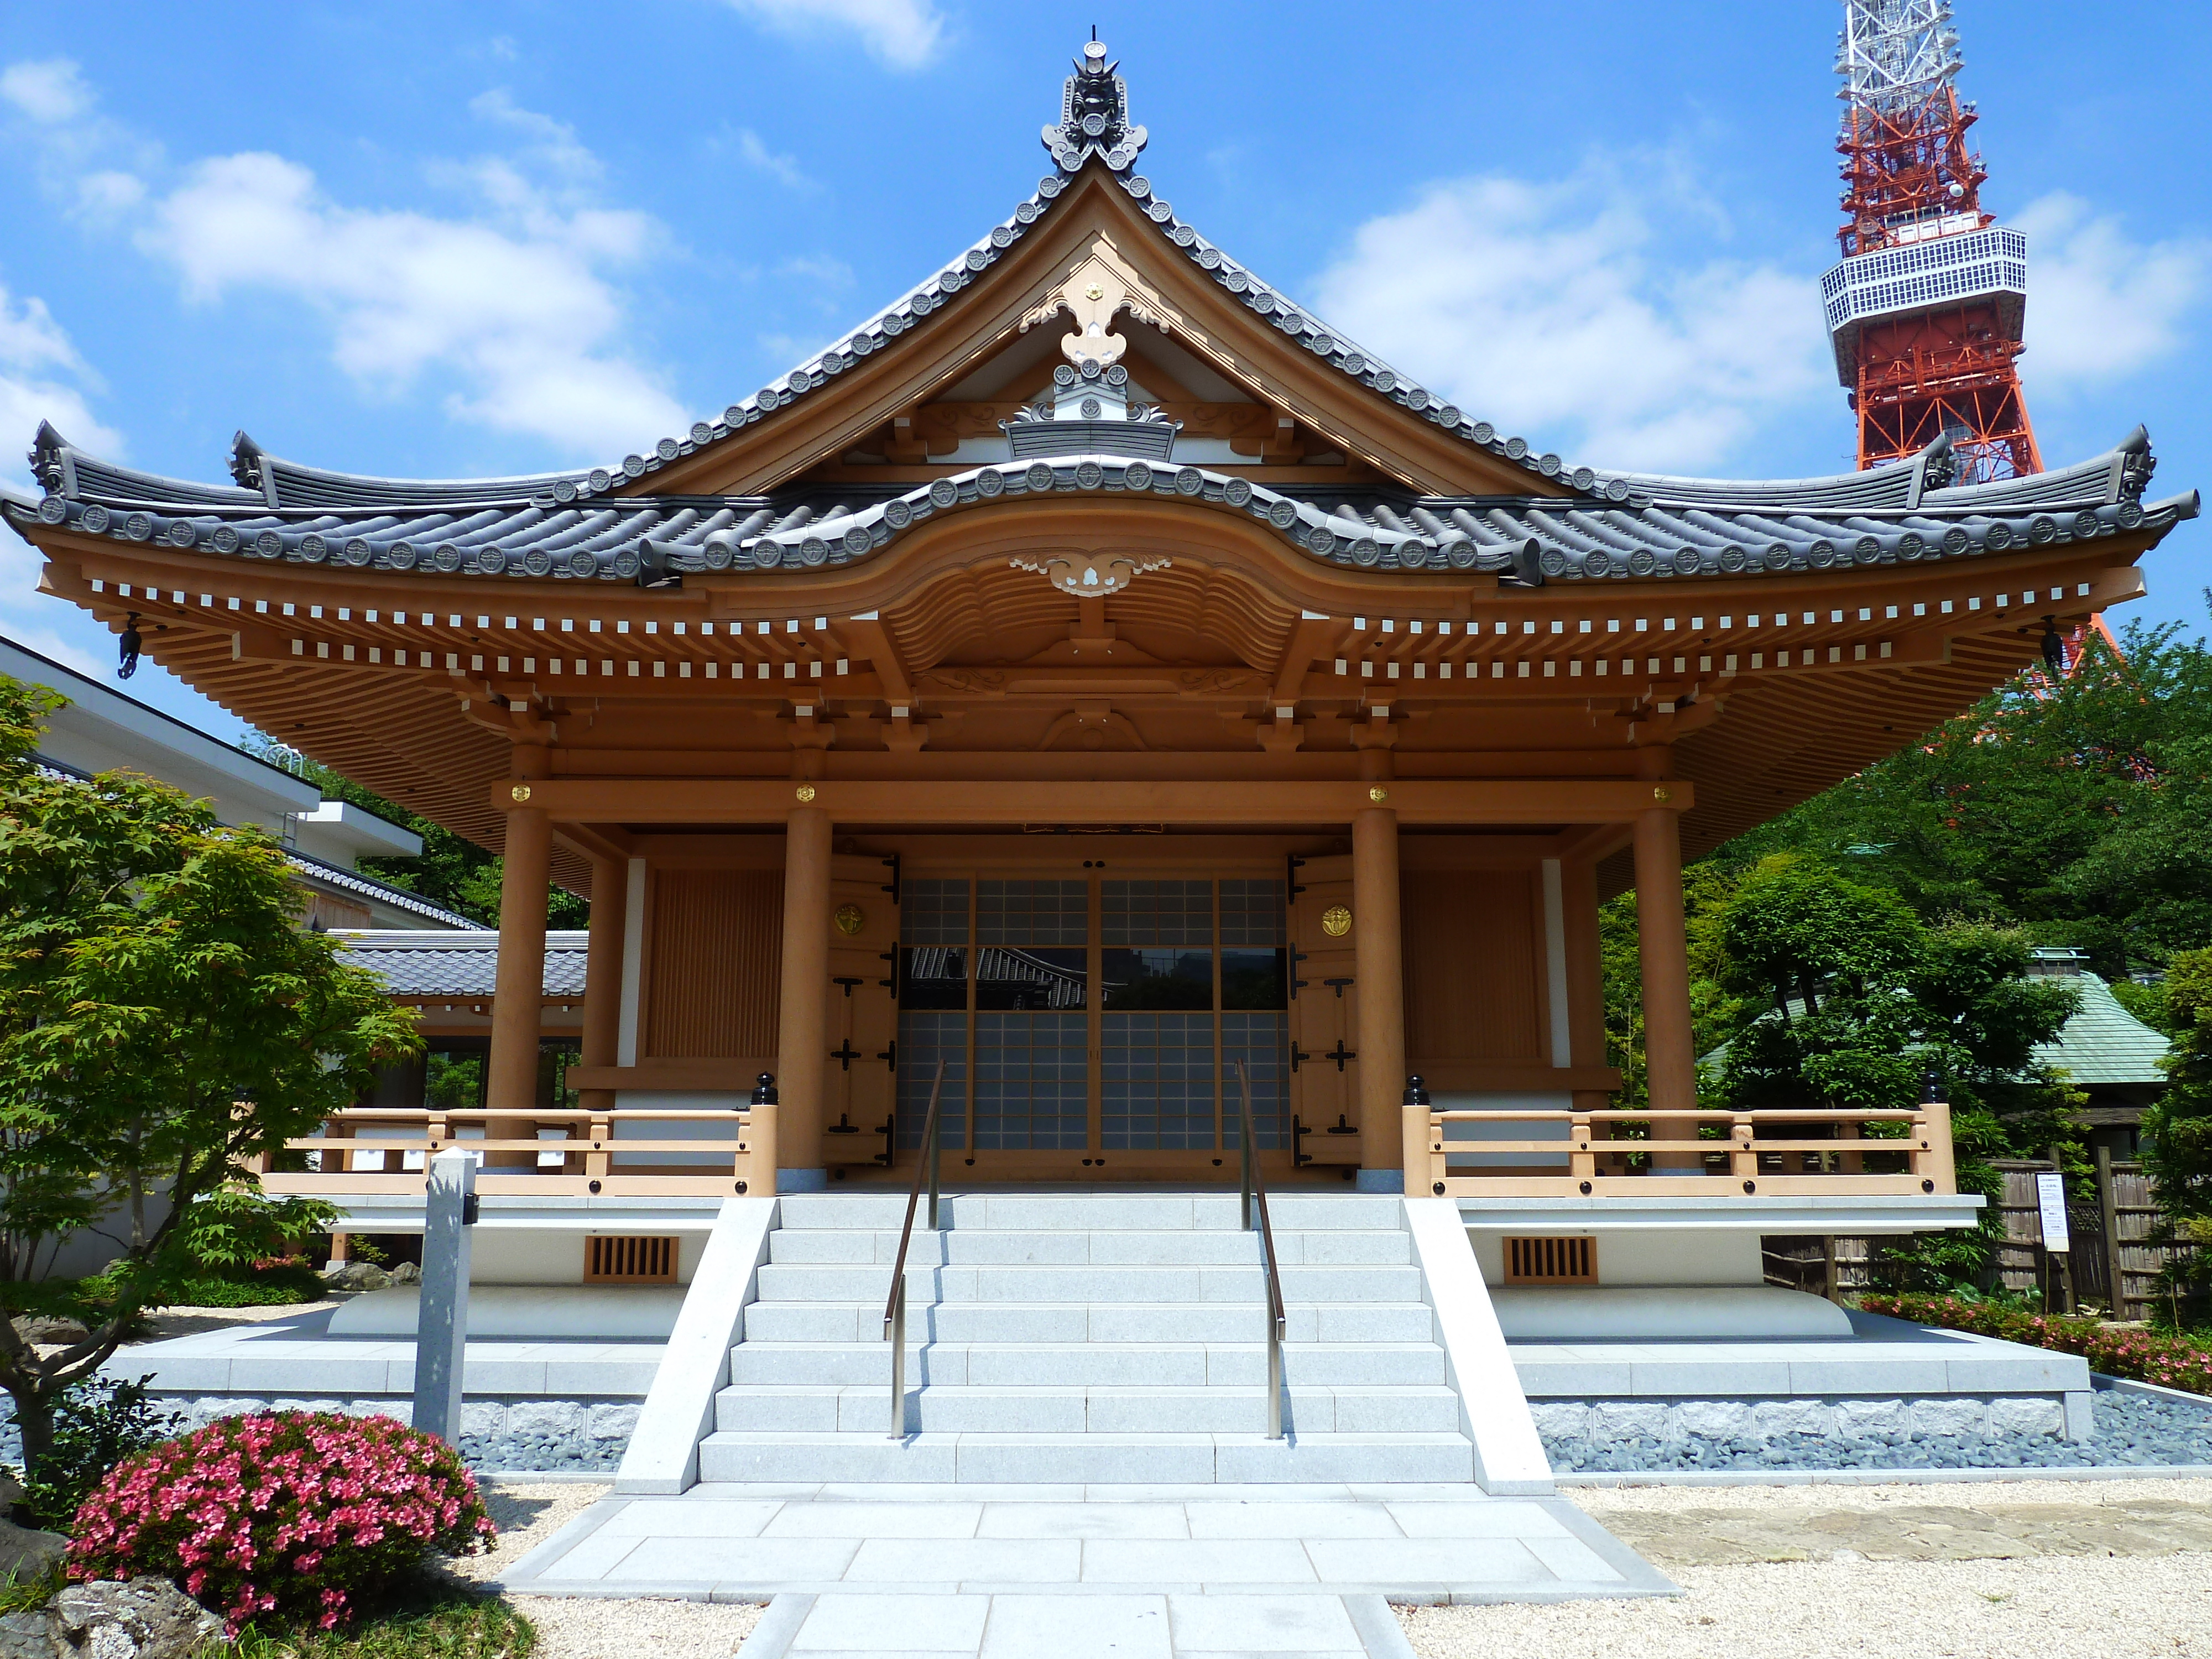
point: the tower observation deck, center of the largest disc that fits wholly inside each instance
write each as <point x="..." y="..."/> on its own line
<point x="1925" y="308"/>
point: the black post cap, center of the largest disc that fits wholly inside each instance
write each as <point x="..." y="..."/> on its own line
<point x="1931" y="1087"/>
<point x="1416" y="1093"/>
<point x="764" y="1090"/>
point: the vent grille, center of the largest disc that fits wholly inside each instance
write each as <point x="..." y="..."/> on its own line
<point x="1550" y="1261"/>
<point x="630" y="1260"/>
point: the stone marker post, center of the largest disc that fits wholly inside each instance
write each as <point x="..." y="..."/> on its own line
<point x="449" y="1209"/>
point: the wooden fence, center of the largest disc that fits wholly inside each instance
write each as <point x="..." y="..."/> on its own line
<point x="2111" y="1245"/>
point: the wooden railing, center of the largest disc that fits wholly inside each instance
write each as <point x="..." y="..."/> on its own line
<point x="365" y="1151"/>
<point x="1779" y="1153"/>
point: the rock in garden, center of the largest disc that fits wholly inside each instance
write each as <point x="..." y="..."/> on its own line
<point x="355" y="1276"/>
<point x="145" y="1619"/>
<point x="407" y="1274"/>
<point x="51" y="1329"/>
<point x="27" y="1554"/>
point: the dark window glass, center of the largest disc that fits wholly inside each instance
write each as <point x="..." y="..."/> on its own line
<point x="933" y="911"/>
<point x="453" y="1078"/>
<point x="1254" y="979"/>
<point x="1025" y="913"/>
<point x="1157" y="978"/>
<point x="932" y="976"/>
<point x="1036" y="980"/>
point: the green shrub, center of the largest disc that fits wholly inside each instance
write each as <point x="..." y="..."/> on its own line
<point x="2171" y="1361"/>
<point x="97" y="1424"/>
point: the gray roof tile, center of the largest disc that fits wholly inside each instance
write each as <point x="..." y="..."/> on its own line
<point x="460" y="965"/>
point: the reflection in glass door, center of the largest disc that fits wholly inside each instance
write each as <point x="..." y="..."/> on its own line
<point x="997" y="979"/>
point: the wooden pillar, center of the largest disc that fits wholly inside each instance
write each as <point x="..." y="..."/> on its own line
<point x="802" y="1026"/>
<point x="518" y="992"/>
<point x="603" y="973"/>
<point x="1662" y="949"/>
<point x="1380" y="973"/>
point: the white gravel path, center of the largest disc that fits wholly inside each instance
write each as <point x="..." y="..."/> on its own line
<point x="1602" y="1501"/>
<point x="2076" y="1607"/>
<point x="575" y="1627"/>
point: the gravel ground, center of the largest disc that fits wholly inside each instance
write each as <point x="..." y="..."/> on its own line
<point x="572" y="1627"/>
<point x="2083" y="1607"/>
<point x="2132" y="1429"/>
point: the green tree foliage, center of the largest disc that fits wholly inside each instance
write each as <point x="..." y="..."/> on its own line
<point x="163" y="1020"/>
<point x="2079" y="809"/>
<point x="450" y="871"/>
<point x="1883" y="927"/>
<point x="2179" y="1127"/>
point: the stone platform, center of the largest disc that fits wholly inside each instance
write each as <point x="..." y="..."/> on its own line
<point x="887" y="1570"/>
<point x="1886" y="1377"/>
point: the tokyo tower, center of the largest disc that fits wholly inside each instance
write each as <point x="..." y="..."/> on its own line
<point x="1926" y="306"/>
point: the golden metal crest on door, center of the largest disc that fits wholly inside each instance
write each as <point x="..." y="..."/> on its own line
<point x="850" y="919"/>
<point x="1336" y="922"/>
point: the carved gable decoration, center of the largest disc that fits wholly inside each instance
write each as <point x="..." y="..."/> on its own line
<point x="1101" y="287"/>
<point x="1089" y="575"/>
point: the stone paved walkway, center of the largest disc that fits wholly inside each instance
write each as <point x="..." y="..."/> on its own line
<point x="1159" y="1572"/>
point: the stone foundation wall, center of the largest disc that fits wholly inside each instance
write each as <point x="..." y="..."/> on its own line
<point x="500" y="1433"/>
<point x="1890" y="1420"/>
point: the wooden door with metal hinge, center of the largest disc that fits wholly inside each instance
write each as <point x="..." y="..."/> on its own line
<point x="1324" y="1012"/>
<point x="859" y="1091"/>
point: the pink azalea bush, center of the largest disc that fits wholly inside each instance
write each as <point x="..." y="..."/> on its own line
<point x="286" y="1513"/>
<point x="2171" y="1361"/>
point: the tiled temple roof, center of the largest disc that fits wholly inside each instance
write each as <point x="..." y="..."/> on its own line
<point x="570" y="525"/>
<point x="457" y="964"/>
<point x="1662" y="527"/>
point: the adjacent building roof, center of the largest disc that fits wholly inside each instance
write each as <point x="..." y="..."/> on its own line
<point x="322" y="872"/>
<point x="2104" y="1043"/>
<point x="1576" y="523"/>
<point x="423" y="965"/>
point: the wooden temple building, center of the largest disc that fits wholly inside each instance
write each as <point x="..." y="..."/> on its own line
<point x="1097" y="692"/>
<point x="1093" y="672"/>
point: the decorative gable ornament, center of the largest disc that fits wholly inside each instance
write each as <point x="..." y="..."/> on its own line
<point x="1094" y="116"/>
<point x="1090" y="576"/>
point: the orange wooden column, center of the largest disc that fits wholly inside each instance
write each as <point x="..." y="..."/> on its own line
<point x="1662" y="949"/>
<point x="803" y="1024"/>
<point x="603" y="973"/>
<point x="1381" y="975"/>
<point x="518" y="991"/>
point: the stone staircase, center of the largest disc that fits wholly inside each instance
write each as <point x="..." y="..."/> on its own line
<point x="1088" y="1337"/>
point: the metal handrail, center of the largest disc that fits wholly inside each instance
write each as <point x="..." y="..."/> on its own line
<point x="895" y="1309"/>
<point x="1255" y="1187"/>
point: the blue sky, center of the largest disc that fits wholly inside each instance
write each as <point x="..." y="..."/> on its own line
<point x="496" y="238"/>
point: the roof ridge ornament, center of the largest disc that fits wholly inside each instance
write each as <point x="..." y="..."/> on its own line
<point x="1094" y="116"/>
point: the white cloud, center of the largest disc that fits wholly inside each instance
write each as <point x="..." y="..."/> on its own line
<point x="2100" y="305"/>
<point x="783" y="169"/>
<point x="905" y="34"/>
<point x="509" y="301"/>
<point x="515" y="305"/>
<point x="43" y="379"/>
<point x="1552" y="308"/>
<point x="49" y="92"/>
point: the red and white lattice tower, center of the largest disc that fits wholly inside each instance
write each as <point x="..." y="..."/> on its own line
<point x="1925" y="308"/>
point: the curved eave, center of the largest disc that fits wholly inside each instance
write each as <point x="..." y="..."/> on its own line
<point x="1524" y="539"/>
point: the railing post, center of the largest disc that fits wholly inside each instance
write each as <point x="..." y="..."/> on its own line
<point x="600" y="1159"/>
<point x="1931" y="1140"/>
<point x="931" y="1152"/>
<point x="1244" y="1167"/>
<point x="1418" y="1130"/>
<point x="1581" y="1162"/>
<point x="898" y="1356"/>
<point x="759" y="1142"/>
<point x="1743" y="1161"/>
